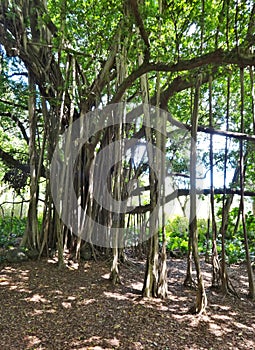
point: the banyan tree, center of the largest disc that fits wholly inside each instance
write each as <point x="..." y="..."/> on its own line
<point x="116" y="99"/>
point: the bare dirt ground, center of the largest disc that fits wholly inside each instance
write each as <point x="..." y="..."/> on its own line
<point x="45" y="308"/>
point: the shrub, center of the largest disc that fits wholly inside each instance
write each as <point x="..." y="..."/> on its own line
<point x="11" y="228"/>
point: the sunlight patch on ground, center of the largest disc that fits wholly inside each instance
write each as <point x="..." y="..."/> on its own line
<point x="53" y="260"/>
<point x="5" y="280"/>
<point x="250" y="344"/>
<point x="207" y="275"/>
<point x="215" y="329"/>
<point x="59" y="292"/>
<point x="115" y="296"/>
<point x="153" y="304"/>
<point x="241" y="326"/>
<point x="37" y="298"/>
<point x="32" y="340"/>
<point x="232" y="313"/>
<point x="94" y="340"/>
<point x="138" y="346"/>
<point x="227" y="329"/>
<point x="179" y="317"/>
<point x="194" y="321"/>
<point x="66" y="305"/>
<point x="221" y="317"/>
<point x="113" y="342"/>
<point x="225" y="308"/>
<point x="86" y="301"/>
<point x="136" y="285"/>
<point x="178" y="298"/>
<point x="19" y="288"/>
<point x="72" y="265"/>
<point x="38" y="312"/>
<point x="178" y="307"/>
<point x="14" y="287"/>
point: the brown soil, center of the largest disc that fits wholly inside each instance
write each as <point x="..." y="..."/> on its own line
<point x="45" y="308"/>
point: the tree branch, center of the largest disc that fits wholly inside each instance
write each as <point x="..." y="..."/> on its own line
<point x="10" y="161"/>
<point x="251" y="27"/>
<point x="232" y="134"/>
<point x="139" y="22"/>
<point x="18" y="105"/>
<point x="186" y="192"/>
<point x="19" y="124"/>
<point x="216" y="58"/>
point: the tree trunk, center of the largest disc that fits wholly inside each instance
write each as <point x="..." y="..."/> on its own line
<point x="150" y="285"/>
<point x="114" y="275"/>
<point x="162" y="288"/>
<point x="117" y="174"/>
<point x="242" y="174"/>
<point x="207" y="254"/>
<point x="215" y="260"/>
<point x="162" y="284"/>
<point x="189" y="281"/>
<point x="201" y="299"/>
<point x="31" y="236"/>
<point x="226" y="204"/>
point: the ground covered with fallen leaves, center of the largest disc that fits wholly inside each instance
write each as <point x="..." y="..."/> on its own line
<point x="43" y="307"/>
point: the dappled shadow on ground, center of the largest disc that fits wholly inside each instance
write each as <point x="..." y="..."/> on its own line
<point x="45" y="308"/>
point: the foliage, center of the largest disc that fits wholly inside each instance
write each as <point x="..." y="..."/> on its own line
<point x="11" y="228"/>
<point x="235" y="240"/>
<point x="16" y="179"/>
<point x="177" y="236"/>
<point x="177" y="233"/>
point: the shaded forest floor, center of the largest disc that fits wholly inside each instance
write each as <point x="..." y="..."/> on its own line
<point x="44" y="308"/>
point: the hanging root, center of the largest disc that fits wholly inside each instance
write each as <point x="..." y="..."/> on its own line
<point x="190" y="282"/>
<point x="216" y="272"/>
<point x="201" y="301"/>
<point x="115" y="277"/>
<point x="231" y="289"/>
<point x="94" y="252"/>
